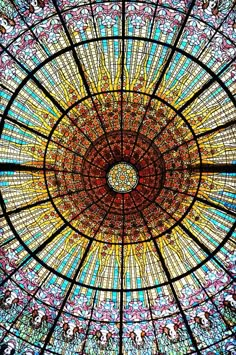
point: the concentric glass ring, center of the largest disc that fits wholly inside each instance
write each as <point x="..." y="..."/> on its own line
<point x="117" y="208"/>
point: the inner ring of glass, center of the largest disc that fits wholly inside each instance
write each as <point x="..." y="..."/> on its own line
<point x="122" y="177"/>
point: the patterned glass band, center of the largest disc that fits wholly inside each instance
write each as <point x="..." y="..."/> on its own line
<point x="122" y="177"/>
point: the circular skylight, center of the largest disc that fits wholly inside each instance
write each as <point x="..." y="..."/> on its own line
<point x="117" y="187"/>
<point x="122" y="177"/>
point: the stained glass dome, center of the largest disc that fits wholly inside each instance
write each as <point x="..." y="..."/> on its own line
<point x="117" y="189"/>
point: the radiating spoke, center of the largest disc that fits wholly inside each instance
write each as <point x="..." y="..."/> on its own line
<point x="193" y="237"/>
<point x="204" y="201"/>
<point x="81" y="264"/>
<point x="67" y="148"/>
<point x="81" y="71"/>
<point x="167" y="273"/>
<point x="116" y="136"/>
<point x="15" y="167"/>
<point x="166" y="66"/>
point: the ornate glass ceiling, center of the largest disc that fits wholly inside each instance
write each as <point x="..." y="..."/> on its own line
<point x="117" y="177"/>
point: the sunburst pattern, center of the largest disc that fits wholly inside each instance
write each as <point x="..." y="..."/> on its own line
<point x="118" y="177"/>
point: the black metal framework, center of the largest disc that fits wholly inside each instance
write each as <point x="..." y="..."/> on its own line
<point x="201" y="169"/>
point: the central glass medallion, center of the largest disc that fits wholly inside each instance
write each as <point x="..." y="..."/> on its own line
<point x="122" y="177"/>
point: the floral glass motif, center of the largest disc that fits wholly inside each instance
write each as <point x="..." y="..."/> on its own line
<point x="122" y="177"/>
<point x="98" y="93"/>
